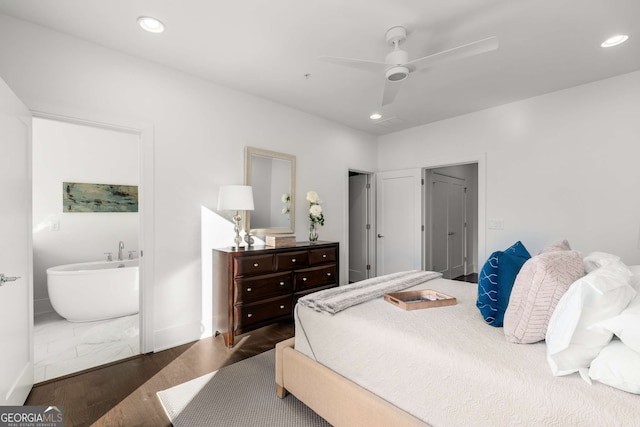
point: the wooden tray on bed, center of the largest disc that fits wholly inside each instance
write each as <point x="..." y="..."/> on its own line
<point x="413" y="300"/>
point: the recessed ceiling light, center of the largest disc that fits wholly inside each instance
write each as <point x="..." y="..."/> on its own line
<point x="150" y="24"/>
<point x="375" y="116"/>
<point x="615" y="40"/>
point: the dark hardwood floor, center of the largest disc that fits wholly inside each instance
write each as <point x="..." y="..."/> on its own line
<point x="471" y="278"/>
<point x="124" y="393"/>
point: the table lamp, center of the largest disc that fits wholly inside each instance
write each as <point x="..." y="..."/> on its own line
<point x="236" y="198"/>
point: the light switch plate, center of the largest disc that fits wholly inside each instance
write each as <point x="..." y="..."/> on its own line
<point x="496" y="224"/>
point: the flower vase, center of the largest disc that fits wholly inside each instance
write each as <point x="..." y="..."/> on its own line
<point x="313" y="233"/>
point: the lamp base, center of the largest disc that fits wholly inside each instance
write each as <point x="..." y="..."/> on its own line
<point x="237" y="240"/>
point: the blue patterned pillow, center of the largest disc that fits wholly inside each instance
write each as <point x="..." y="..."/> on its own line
<point x="496" y="281"/>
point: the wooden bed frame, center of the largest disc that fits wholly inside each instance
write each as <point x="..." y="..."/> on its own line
<point x="332" y="396"/>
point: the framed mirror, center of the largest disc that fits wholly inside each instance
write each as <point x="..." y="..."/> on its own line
<point x="273" y="178"/>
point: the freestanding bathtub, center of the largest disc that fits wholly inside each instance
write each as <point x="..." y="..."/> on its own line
<point x="91" y="291"/>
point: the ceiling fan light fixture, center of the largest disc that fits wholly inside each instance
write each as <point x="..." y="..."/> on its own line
<point x="615" y="40"/>
<point x="397" y="74"/>
<point x="150" y="24"/>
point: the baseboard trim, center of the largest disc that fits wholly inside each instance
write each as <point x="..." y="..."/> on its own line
<point x="176" y="335"/>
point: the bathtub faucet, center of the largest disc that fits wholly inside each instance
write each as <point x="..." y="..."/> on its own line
<point x="120" y="249"/>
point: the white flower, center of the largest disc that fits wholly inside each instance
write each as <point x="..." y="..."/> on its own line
<point x="285" y="198"/>
<point x="312" y="197"/>
<point x="315" y="210"/>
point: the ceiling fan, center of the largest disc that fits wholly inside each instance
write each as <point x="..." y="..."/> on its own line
<point x="397" y="66"/>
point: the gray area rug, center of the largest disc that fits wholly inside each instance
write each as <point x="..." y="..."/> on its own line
<point x="239" y="395"/>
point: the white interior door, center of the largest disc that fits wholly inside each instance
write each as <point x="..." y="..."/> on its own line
<point x="448" y="225"/>
<point x="358" y="233"/>
<point x="16" y="293"/>
<point x="399" y="221"/>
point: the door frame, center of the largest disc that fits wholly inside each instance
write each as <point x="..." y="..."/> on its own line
<point x="481" y="160"/>
<point x="371" y="213"/>
<point x="146" y="272"/>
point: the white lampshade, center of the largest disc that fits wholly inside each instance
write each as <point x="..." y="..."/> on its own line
<point x="235" y="198"/>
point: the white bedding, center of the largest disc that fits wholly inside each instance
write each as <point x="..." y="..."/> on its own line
<point x="447" y="367"/>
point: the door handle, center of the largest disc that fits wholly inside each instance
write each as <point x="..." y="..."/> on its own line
<point x="451" y="233"/>
<point x="4" y="279"/>
<point x="380" y="235"/>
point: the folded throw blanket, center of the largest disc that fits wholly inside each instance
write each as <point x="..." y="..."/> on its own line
<point x="333" y="300"/>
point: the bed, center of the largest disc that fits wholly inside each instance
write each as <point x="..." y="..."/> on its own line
<point x="375" y="364"/>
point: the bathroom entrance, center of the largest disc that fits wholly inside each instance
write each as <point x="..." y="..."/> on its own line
<point x="85" y="210"/>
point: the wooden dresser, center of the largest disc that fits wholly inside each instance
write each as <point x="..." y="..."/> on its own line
<point x="258" y="286"/>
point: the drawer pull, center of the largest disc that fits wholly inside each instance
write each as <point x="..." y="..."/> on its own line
<point x="328" y="274"/>
<point x="249" y="315"/>
<point x="281" y="283"/>
<point x="324" y="255"/>
<point x="282" y="306"/>
<point x="249" y="289"/>
<point x="255" y="264"/>
<point x="304" y="279"/>
<point x="293" y="260"/>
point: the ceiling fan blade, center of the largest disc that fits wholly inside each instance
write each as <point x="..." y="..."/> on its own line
<point x="470" y="49"/>
<point x="360" y="64"/>
<point x="390" y="91"/>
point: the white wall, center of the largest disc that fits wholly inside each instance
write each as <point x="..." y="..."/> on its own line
<point x="562" y="165"/>
<point x="200" y="130"/>
<point x="64" y="152"/>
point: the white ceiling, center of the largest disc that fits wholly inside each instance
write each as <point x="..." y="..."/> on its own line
<point x="270" y="48"/>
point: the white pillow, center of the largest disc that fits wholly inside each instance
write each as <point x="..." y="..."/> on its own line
<point x="635" y="280"/>
<point x="626" y="325"/>
<point x="600" y="295"/>
<point x="595" y="260"/>
<point x="617" y="366"/>
<point x="635" y="269"/>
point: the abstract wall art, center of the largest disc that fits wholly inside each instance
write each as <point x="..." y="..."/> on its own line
<point x="82" y="197"/>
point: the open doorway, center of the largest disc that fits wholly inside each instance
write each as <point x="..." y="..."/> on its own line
<point x="403" y="215"/>
<point x="360" y="229"/>
<point x="451" y="219"/>
<point x="80" y="153"/>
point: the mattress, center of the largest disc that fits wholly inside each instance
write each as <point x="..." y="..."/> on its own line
<point x="447" y="367"/>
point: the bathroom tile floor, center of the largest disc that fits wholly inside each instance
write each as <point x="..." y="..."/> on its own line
<point x="62" y="347"/>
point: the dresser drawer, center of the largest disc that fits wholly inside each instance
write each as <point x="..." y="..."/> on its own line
<point x="322" y="256"/>
<point x="249" y="314"/>
<point x="292" y="260"/>
<point x="259" y="264"/>
<point x="253" y="288"/>
<point x="314" y="277"/>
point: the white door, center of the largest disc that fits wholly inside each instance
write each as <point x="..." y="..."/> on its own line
<point x="358" y="222"/>
<point x="16" y="294"/>
<point x="399" y="221"/>
<point x="448" y="225"/>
